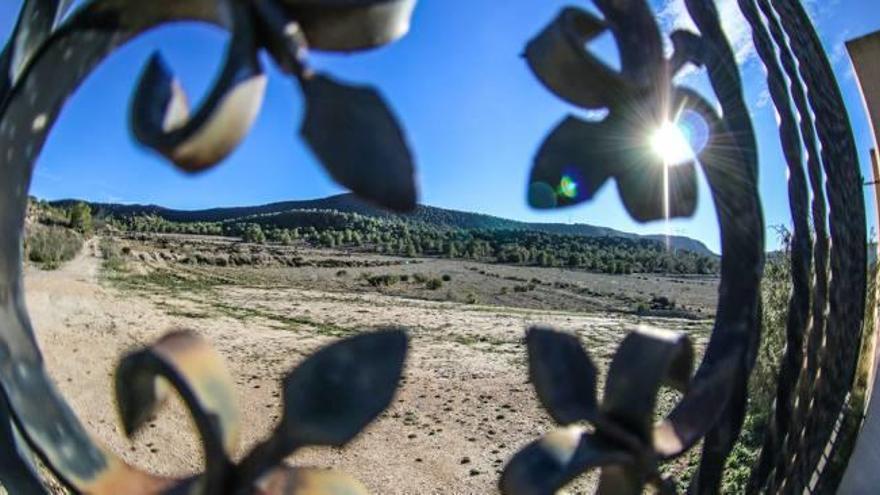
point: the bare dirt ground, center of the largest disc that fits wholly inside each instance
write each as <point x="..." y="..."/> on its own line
<point x="464" y="406"/>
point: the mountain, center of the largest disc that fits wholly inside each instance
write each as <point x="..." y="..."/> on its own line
<point x="348" y="203"/>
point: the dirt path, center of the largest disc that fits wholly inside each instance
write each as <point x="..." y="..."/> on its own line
<point x="463" y="409"/>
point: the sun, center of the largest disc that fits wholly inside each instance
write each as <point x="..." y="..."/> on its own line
<point x="671" y="145"/>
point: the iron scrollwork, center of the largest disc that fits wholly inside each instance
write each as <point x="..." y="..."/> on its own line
<point x="639" y="98"/>
<point x="624" y="442"/>
<point x="349" y="128"/>
<point x="823" y="334"/>
<point x="827" y="261"/>
<point x="354" y="134"/>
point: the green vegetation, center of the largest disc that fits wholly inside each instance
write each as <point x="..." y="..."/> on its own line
<point x="386" y="280"/>
<point x="254" y="233"/>
<point x="50" y="246"/>
<point x="398" y="237"/>
<point x="55" y="235"/>
<point x="112" y="254"/>
<point x="81" y="218"/>
<point x="776" y="291"/>
<point x="194" y="287"/>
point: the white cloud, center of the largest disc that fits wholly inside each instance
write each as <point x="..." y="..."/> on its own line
<point x="838" y="53"/>
<point x="763" y="98"/>
<point x="674" y="15"/>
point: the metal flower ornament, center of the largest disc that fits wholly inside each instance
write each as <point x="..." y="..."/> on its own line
<point x="638" y="143"/>
<point x="327" y="400"/>
<point x="332" y="395"/>
<point x="649" y="141"/>
<point x="624" y="442"/>
<point x="349" y="128"/>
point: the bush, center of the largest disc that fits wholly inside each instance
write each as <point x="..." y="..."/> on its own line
<point x="434" y="284"/>
<point x="775" y="291"/>
<point x="253" y="233"/>
<point x="386" y="280"/>
<point x="52" y="246"/>
<point x="447" y="278"/>
<point x="81" y="218"/>
<point x="112" y="254"/>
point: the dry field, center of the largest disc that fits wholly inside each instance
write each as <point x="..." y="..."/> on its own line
<point x="464" y="406"/>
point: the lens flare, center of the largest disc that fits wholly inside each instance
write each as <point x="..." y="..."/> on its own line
<point x="695" y="130"/>
<point x="568" y="187"/>
<point x="541" y="195"/>
<point x="671" y="145"/>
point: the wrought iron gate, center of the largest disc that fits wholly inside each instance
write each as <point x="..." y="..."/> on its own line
<point x="828" y="262"/>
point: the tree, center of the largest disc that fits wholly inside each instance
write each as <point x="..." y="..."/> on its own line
<point x="253" y="233"/>
<point x="81" y="218"/>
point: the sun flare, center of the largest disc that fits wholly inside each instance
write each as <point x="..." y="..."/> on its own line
<point x="670" y="144"/>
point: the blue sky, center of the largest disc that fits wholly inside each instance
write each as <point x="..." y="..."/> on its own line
<point x="473" y="112"/>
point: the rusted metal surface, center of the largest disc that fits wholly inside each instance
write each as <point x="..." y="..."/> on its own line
<point x="640" y="98"/>
<point x="826" y="306"/>
<point x="798" y="322"/>
<point x="826" y="380"/>
<point x="336" y="392"/>
<point x="625" y="442"/>
<point x="361" y="372"/>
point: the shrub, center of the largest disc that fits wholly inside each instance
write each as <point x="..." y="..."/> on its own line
<point x="341" y="273"/>
<point x="420" y="279"/>
<point x="447" y="278"/>
<point x="434" y="284"/>
<point x="253" y="233"/>
<point x="52" y="246"/>
<point x="775" y="291"/>
<point x="112" y="254"/>
<point x="81" y="218"/>
<point x="109" y="249"/>
<point x="386" y="280"/>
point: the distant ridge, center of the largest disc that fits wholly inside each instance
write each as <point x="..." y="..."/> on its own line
<point x="348" y="203"/>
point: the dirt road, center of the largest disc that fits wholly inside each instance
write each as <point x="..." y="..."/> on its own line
<point x="464" y="407"/>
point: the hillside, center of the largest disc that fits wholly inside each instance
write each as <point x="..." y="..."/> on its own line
<point x="348" y="203"/>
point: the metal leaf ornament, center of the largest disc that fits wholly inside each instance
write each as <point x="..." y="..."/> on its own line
<point x="49" y="55"/>
<point x="328" y="400"/>
<point x="624" y="442"/>
<point x="579" y="156"/>
<point x="349" y="128"/>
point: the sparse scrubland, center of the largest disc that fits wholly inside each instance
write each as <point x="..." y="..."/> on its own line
<point x="429" y="232"/>
<point x="464" y="405"/>
<point x="55" y="236"/>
